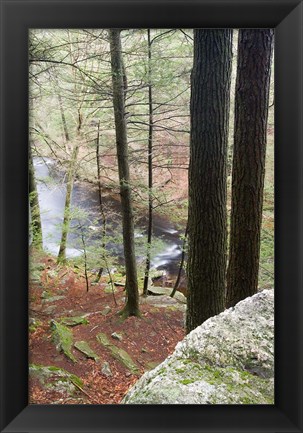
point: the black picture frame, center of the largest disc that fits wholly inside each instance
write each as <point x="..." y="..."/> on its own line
<point x="16" y="18"/>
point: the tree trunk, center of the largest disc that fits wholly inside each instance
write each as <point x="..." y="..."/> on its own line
<point x="251" y="112"/>
<point x="207" y="228"/>
<point x="132" y="302"/>
<point x="66" y="218"/>
<point x="34" y="204"/>
<point x="150" y="170"/>
<point x="181" y="264"/>
<point x="64" y="124"/>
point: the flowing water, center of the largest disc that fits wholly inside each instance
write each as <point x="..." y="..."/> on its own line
<point x="86" y="221"/>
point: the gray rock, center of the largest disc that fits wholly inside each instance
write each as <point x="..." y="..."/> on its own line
<point x="54" y="378"/>
<point x="156" y="291"/>
<point x="117" y="336"/>
<point x="106" y="310"/>
<point x="164" y="301"/>
<point x="229" y="359"/>
<point x="106" y="369"/>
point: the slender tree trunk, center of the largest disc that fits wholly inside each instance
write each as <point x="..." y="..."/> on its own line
<point x="101" y="207"/>
<point x="66" y="218"/>
<point x="103" y="216"/>
<point x="64" y="124"/>
<point x="34" y="204"/>
<point x="207" y="228"/>
<point x="132" y="302"/>
<point x="150" y="170"/>
<point x="61" y="107"/>
<point x="181" y="264"/>
<point x="251" y="112"/>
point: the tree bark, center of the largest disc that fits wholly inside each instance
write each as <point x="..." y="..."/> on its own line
<point x="132" y="302"/>
<point x="66" y="219"/>
<point x="63" y="118"/>
<point x="207" y="228"/>
<point x="150" y="170"/>
<point x="251" y="113"/>
<point x="34" y="204"/>
<point x="181" y="263"/>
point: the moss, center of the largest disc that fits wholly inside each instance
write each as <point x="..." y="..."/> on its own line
<point x="74" y="321"/>
<point x="63" y="338"/>
<point x="180" y="370"/>
<point x="187" y="381"/>
<point x="83" y="347"/>
<point x="53" y="377"/>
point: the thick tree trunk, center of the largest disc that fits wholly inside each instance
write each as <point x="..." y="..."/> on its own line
<point x="132" y="303"/>
<point x="34" y="204"/>
<point x="207" y="228"/>
<point x="150" y="170"/>
<point x="251" y="112"/>
<point x="66" y="218"/>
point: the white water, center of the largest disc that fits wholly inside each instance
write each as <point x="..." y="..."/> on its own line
<point x="51" y="191"/>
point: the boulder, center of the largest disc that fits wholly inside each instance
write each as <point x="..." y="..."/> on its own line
<point x="56" y="379"/>
<point x="229" y="359"/>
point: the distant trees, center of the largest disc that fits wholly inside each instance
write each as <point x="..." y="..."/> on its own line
<point x="131" y="286"/>
<point x="207" y="229"/>
<point x="251" y="112"/>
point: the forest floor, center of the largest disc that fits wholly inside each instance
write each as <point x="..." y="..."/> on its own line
<point x="58" y="293"/>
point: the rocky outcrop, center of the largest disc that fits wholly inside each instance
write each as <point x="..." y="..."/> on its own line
<point x="229" y="359"/>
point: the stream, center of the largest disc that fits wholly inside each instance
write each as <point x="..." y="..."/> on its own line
<point x="86" y="221"/>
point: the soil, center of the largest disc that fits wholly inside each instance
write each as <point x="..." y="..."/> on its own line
<point x="148" y="339"/>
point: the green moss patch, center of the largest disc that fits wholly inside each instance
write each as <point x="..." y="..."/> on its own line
<point x="74" y="321"/>
<point x="83" y="347"/>
<point x="63" y="338"/>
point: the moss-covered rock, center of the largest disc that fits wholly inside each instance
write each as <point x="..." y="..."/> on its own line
<point x="121" y="355"/>
<point x="83" y="347"/>
<point x="229" y="359"/>
<point x="33" y="324"/>
<point x="63" y="338"/>
<point x="74" y="321"/>
<point x="54" y="378"/>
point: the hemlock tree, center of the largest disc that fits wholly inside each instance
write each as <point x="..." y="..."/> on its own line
<point x="207" y="229"/>
<point x="150" y="168"/>
<point x="251" y="112"/>
<point x="131" y="285"/>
